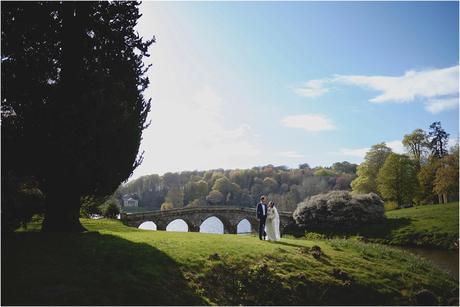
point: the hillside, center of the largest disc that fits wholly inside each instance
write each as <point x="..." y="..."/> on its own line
<point x="433" y="226"/>
<point x="116" y="265"/>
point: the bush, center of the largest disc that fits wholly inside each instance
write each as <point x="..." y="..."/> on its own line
<point x="90" y="206"/>
<point x="199" y="202"/>
<point x="166" y="206"/>
<point x="338" y="209"/>
<point x="110" y="209"/>
<point x="19" y="204"/>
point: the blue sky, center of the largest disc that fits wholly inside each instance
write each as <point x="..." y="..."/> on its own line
<point x="241" y="84"/>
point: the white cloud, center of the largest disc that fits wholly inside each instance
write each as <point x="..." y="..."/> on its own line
<point x="396" y="146"/>
<point x="312" y="88"/>
<point x="412" y="85"/>
<point x="438" y="105"/>
<point x="188" y="132"/>
<point x="309" y="122"/>
<point x="291" y="154"/>
<point x="357" y="152"/>
<point x="437" y="87"/>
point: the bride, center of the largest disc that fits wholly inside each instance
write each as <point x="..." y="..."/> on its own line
<point x="272" y="225"/>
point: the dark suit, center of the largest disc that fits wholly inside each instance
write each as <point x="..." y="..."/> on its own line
<point x="262" y="218"/>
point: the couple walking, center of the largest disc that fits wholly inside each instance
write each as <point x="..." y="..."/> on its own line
<point x="269" y="220"/>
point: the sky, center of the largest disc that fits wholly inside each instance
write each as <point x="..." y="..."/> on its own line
<point x="244" y="84"/>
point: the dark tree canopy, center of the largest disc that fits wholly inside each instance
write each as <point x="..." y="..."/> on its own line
<point x="438" y="139"/>
<point x="72" y="105"/>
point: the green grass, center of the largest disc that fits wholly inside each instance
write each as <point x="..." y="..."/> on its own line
<point x="430" y="225"/>
<point x="117" y="265"/>
<point x="434" y="226"/>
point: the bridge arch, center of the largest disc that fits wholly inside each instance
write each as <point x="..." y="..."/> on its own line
<point x="178" y="225"/>
<point x="244" y="226"/>
<point x="228" y="226"/>
<point x="148" y="225"/>
<point x="212" y="225"/>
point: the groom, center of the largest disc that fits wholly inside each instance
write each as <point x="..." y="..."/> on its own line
<point x="262" y="216"/>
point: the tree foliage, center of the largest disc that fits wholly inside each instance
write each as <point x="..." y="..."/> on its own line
<point x="397" y="180"/>
<point x="215" y="198"/>
<point x="166" y="206"/>
<point x="447" y="175"/>
<point x="239" y="187"/>
<point x="426" y="178"/>
<point x="367" y="172"/>
<point x="338" y="209"/>
<point x="72" y="105"/>
<point x="110" y="209"/>
<point x="438" y="139"/>
<point x="417" y="145"/>
<point x="175" y="196"/>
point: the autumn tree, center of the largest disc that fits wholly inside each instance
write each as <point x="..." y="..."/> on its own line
<point x="447" y="174"/>
<point x="270" y="185"/>
<point x="175" y="197"/>
<point x="195" y="190"/>
<point x="426" y="177"/>
<point x="166" y="206"/>
<point x="215" y="198"/>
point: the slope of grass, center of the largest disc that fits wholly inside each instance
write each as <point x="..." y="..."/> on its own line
<point x="430" y="225"/>
<point x="434" y="226"/>
<point x="116" y="265"/>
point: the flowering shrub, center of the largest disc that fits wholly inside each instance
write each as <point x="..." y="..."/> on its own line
<point x="338" y="209"/>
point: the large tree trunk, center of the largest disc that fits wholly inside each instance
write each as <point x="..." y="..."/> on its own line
<point x="444" y="196"/>
<point x="439" y="199"/>
<point x="63" y="204"/>
<point x="62" y="214"/>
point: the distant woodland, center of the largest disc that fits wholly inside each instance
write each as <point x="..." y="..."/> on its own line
<point x="238" y="187"/>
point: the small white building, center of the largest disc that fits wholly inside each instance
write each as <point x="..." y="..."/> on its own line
<point x="130" y="202"/>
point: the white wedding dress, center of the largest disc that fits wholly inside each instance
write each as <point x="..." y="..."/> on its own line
<point x="272" y="225"/>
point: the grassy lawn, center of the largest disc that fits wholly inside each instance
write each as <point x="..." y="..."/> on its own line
<point x="116" y="265"/>
<point x="433" y="226"/>
<point x="430" y="225"/>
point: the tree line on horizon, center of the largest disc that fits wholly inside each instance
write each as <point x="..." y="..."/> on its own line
<point x="426" y="174"/>
<point x="237" y="187"/>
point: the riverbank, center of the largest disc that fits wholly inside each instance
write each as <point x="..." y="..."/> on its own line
<point x="430" y="226"/>
<point x="117" y="265"/>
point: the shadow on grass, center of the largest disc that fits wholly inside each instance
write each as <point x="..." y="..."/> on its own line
<point x="89" y="269"/>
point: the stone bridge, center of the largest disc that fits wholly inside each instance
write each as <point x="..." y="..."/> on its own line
<point x="194" y="217"/>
